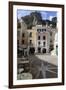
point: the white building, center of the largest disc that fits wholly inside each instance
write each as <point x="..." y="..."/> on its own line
<point x="39" y="37"/>
<point x="56" y="44"/>
<point x="55" y="51"/>
<point x="44" y="38"/>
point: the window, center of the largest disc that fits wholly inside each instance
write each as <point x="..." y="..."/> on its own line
<point x="44" y="37"/>
<point x="30" y="35"/>
<point x="38" y="43"/>
<point x="30" y="42"/>
<point x="23" y="34"/>
<point x="44" y="50"/>
<point x="50" y="41"/>
<point x="23" y="41"/>
<point x="38" y="37"/>
<point x="43" y="30"/>
<point x="39" y="50"/>
<point x="38" y="30"/>
<point x="44" y="44"/>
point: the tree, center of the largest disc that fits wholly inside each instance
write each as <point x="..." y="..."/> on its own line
<point x="54" y="22"/>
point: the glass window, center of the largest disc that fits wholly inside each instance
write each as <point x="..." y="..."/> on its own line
<point x="38" y="43"/>
<point x="23" y="34"/>
<point x="30" y="34"/>
<point x="44" y="37"/>
<point x="51" y="41"/>
<point x="43" y="30"/>
<point x="38" y="37"/>
<point x="44" y="44"/>
<point x="39" y="50"/>
<point x="39" y="30"/>
<point x="30" y="42"/>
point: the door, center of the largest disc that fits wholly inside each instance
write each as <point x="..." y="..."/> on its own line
<point x="44" y="50"/>
<point x="39" y="50"/>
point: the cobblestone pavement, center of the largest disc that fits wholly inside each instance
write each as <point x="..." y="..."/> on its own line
<point x="48" y="58"/>
<point x="43" y="66"/>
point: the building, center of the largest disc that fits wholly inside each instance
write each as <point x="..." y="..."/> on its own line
<point x="39" y="39"/>
<point x="55" y="50"/>
<point x="44" y="38"/>
<point x="22" y="37"/>
<point x="56" y="44"/>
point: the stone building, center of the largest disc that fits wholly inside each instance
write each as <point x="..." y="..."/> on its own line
<point x="40" y="38"/>
<point x="44" y="38"/>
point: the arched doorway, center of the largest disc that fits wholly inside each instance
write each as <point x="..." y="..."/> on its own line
<point x="39" y="50"/>
<point x="31" y="50"/>
<point x="44" y="50"/>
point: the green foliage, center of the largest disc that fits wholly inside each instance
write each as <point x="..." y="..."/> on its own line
<point x="54" y="22"/>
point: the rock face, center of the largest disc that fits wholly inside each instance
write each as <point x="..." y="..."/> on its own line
<point x="35" y="18"/>
<point x="35" y="22"/>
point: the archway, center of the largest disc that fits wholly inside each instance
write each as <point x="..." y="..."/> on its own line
<point x="44" y="50"/>
<point x="39" y="50"/>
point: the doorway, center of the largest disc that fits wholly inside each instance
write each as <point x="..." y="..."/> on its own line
<point x="39" y="50"/>
<point x="44" y="50"/>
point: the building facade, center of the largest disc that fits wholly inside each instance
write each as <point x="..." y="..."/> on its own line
<point x="44" y="41"/>
<point x="39" y="39"/>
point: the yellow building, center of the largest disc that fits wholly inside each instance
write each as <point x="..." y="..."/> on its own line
<point x="31" y="37"/>
<point x="37" y="39"/>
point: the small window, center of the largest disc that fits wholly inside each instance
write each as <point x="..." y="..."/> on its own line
<point x="38" y="37"/>
<point x="50" y="41"/>
<point x="44" y="37"/>
<point x="44" y="44"/>
<point x="23" y="34"/>
<point x="38" y="43"/>
<point x="30" y="35"/>
<point x="38" y="30"/>
<point x="39" y="50"/>
<point x="43" y="30"/>
<point x="23" y="41"/>
<point x="30" y="42"/>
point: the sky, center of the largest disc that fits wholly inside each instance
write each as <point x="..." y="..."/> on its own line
<point x="45" y="14"/>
